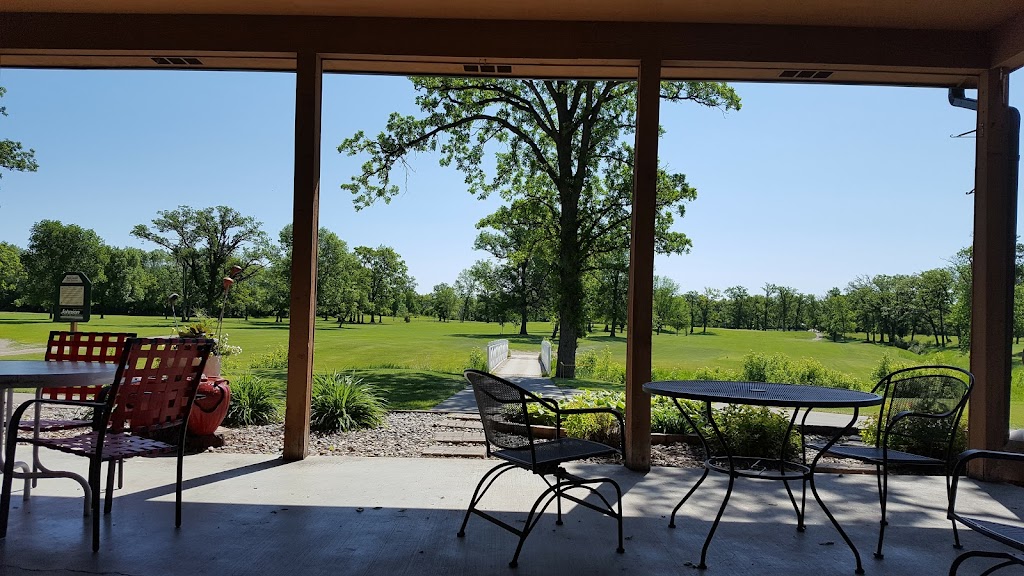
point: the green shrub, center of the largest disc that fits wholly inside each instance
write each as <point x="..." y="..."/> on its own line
<point x="886" y="366"/>
<point x="276" y="359"/>
<point x="666" y="418"/>
<point x="716" y="374"/>
<point x="343" y="402"/>
<point x="597" y="427"/>
<point x="779" y="368"/>
<point x="750" y="430"/>
<point x="591" y="365"/>
<point x="254" y="401"/>
<point x="755" y="431"/>
<point x="586" y="364"/>
<point x="477" y="359"/>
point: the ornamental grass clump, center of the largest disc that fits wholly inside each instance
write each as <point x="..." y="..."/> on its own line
<point x="342" y="402"/>
<point x="255" y="401"/>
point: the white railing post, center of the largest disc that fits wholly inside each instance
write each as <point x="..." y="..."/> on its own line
<point x="497" y="354"/>
<point x="545" y="357"/>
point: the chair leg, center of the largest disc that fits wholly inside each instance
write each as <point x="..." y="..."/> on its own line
<point x="883" y="495"/>
<point x="8" y="479"/>
<point x="108" y="500"/>
<point x="35" y="436"/>
<point x="120" y="474"/>
<point x="94" y="484"/>
<point x="177" y="487"/>
<point x="558" y="499"/>
<point x="478" y="494"/>
<point x="949" y="495"/>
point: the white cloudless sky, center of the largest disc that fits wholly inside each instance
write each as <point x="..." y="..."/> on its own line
<point x="808" y="186"/>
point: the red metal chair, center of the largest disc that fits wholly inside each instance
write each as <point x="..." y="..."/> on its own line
<point x="63" y="346"/>
<point x="144" y="413"/>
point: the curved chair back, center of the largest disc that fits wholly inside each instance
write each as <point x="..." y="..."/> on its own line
<point x="156" y="384"/>
<point x="503" y="411"/>
<point x="936" y="395"/>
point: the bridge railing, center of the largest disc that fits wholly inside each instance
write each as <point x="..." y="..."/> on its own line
<point x="497" y="354"/>
<point x="545" y="357"/>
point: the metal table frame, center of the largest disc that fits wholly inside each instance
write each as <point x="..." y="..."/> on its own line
<point x="790" y="396"/>
<point x="40" y="374"/>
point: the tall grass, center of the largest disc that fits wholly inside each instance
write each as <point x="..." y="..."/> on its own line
<point x="342" y="402"/>
<point x="254" y="401"/>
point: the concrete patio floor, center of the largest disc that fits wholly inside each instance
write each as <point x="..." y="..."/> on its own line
<point x="247" y="514"/>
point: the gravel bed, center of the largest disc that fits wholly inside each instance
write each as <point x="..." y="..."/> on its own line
<point x="403" y="435"/>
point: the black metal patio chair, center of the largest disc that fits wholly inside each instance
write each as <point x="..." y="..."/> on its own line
<point x="1012" y="536"/>
<point x="917" y="426"/>
<point x="510" y="437"/>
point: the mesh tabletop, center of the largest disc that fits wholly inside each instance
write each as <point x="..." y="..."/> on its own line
<point x="763" y="394"/>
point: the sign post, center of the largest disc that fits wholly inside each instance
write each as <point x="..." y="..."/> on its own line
<point x="74" y="299"/>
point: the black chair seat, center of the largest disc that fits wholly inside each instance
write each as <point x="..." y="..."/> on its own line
<point x="1008" y="534"/>
<point x="1011" y="535"/>
<point x="873" y="455"/>
<point x="555" y="452"/>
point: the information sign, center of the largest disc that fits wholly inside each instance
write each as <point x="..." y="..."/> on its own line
<point x="74" y="297"/>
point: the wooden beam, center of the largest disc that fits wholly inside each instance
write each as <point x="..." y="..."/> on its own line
<point x="305" y="225"/>
<point x="884" y="49"/>
<point x="994" y="250"/>
<point x="641" y="267"/>
<point x="1007" y="43"/>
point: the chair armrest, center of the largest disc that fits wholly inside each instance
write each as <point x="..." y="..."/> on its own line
<point x="911" y="414"/>
<point x="546" y="402"/>
<point x="961" y="463"/>
<point x="12" y="425"/>
<point x="618" y="416"/>
<point x="968" y="455"/>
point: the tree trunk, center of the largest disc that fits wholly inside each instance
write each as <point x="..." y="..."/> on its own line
<point x="524" y="309"/>
<point x="570" y="261"/>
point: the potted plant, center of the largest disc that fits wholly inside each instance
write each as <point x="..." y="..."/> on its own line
<point x="214" y="396"/>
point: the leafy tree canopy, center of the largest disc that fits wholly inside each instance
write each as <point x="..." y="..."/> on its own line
<point x="560" y="144"/>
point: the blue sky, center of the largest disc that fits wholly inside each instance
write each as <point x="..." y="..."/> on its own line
<point x="806" y="186"/>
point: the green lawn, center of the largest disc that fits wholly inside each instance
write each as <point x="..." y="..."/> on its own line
<point x="419" y="363"/>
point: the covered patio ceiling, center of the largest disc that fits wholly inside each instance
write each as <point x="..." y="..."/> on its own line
<point x="943" y="43"/>
<point x="909" y="14"/>
<point x="919" y="42"/>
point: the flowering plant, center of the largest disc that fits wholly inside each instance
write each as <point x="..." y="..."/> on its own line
<point x="220" y="347"/>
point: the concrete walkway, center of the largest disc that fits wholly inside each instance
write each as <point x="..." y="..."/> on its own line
<point x="249" y="514"/>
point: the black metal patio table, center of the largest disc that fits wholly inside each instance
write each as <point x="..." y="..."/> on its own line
<point x="791" y="396"/>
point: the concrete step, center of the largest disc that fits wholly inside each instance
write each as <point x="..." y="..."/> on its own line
<point x="455" y="451"/>
<point x="459" y="437"/>
<point x="461" y="424"/>
<point x="466" y="416"/>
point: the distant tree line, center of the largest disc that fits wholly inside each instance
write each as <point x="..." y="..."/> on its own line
<point x="194" y="248"/>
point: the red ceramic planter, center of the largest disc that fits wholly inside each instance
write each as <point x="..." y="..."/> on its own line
<point x="211" y="406"/>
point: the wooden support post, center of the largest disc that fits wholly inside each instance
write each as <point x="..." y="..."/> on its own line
<point x="641" y="267"/>
<point x="995" y="230"/>
<point x="305" y="223"/>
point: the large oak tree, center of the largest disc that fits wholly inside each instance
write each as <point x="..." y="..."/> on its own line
<point x="561" y="144"/>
